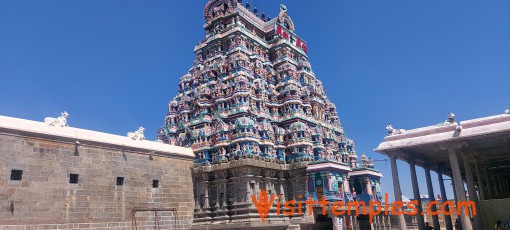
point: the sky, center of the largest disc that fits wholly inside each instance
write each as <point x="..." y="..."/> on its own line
<point x="114" y="65"/>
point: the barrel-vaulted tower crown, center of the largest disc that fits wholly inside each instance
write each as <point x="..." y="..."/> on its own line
<point x="217" y="7"/>
<point x="251" y="92"/>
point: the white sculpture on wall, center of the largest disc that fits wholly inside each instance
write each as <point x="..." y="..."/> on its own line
<point x="392" y="131"/>
<point x="59" y="121"/>
<point x="450" y="121"/>
<point x="507" y="111"/>
<point x="137" y="135"/>
<point x="451" y="118"/>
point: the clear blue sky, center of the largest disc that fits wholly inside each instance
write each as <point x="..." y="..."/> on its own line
<point x="114" y="65"/>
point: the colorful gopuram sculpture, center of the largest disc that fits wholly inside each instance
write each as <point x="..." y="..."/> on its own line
<point x="258" y="119"/>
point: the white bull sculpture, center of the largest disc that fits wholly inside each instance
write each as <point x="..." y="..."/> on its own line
<point x="59" y="121"/>
<point x="137" y="135"/>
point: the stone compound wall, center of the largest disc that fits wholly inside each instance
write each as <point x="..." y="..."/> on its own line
<point x="44" y="198"/>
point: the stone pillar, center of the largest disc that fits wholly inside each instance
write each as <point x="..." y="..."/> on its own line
<point x="383" y="222"/>
<point x="329" y="177"/>
<point x="447" y="218"/>
<point x="323" y="178"/>
<point x="206" y="195"/>
<point x="459" y="186"/>
<point x="494" y="181"/>
<point x="377" y="190"/>
<point x="481" y="186"/>
<point x="368" y="185"/>
<point x="257" y="188"/>
<point x="346" y="185"/>
<point x="218" y="186"/>
<point x="396" y="189"/>
<point x="249" y="192"/>
<point x="224" y="203"/>
<point x="197" y="196"/>
<point x="373" y="225"/>
<point x="235" y="182"/>
<point x="497" y="183"/>
<point x="478" y="223"/>
<point x="307" y="184"/>
<point x="432" y="197"/>
<point x="416" y="193"/>
<point x="454" y="191"/>
<point x="490" y="191"/>
<point x="502" y="184"/>
<point x="282" y="190"/>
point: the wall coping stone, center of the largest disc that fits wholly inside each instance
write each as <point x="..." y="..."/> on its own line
<point x="41" y="129"/>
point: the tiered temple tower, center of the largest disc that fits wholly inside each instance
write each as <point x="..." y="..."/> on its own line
<point x="258" y="119"/>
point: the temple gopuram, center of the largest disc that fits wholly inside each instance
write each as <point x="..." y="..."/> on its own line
<point x="258" y="119"/>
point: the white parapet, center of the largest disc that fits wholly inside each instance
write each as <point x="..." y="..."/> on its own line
<point x="18" y="125"/>
<point x="474" y="128"/>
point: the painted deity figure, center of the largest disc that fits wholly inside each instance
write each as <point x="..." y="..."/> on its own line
<point x="237" y="149"/>
<point x="245" y="149"/>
